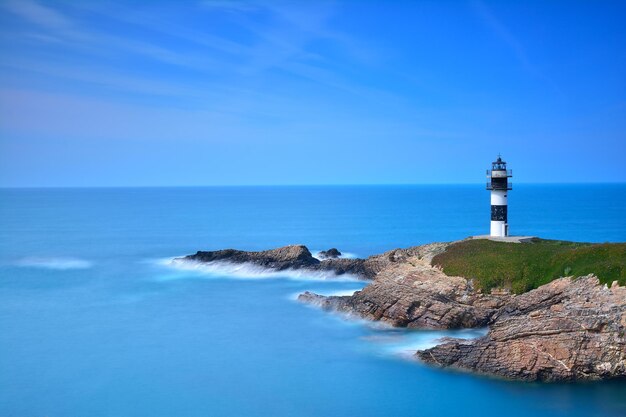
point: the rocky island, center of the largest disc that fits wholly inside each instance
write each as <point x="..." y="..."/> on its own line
<point x="556" y="311"/>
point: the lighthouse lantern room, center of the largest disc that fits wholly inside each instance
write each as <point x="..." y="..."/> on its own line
<point x="498" y="183"/>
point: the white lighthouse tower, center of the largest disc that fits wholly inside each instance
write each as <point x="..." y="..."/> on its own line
<point x="498" y="182"/>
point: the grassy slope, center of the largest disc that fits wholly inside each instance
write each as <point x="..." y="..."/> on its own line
<point x="524" y="266"/>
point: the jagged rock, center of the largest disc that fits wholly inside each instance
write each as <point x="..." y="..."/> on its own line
<point x="292" y="257"/>
<point x="414" y="294"/>
<point x="569" y="329"/>
<point x="280" y="259"/>
<point x="299" y="257"/>
<point x="331" y="253"/>
<point x="373" y="265"/>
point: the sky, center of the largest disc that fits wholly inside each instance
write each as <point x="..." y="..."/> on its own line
<point x="218" y="92"/>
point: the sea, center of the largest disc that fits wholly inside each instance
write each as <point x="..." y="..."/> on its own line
<point x="96" y="320"/>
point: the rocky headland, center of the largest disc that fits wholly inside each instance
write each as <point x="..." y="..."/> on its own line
<point x="571" y="328"/>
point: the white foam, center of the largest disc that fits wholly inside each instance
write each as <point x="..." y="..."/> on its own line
<point x="54" y="263"/>
<point x="408" y="342"/>
<point x="246" y="271"/>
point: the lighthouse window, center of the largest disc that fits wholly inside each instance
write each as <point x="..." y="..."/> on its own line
<point x="499" y="213"/>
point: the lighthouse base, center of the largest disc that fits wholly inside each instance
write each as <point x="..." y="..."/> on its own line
<point x="499" y="228"/>
<point x="508" y="239"/>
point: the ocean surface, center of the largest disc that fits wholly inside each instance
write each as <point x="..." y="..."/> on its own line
<point x="95" y="319"/>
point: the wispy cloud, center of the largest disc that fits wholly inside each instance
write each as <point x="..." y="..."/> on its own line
<point x="53" y="27"/>
<point x="285" y="37"/>
<point x="225" y="76"/>
<point x="230" y="5"/>
<point x="503" y="32"/>
<point x="38" y="14"/>
<point x="282" y="41"/>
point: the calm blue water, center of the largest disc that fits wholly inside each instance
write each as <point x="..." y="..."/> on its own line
<point x="94" y="322"/>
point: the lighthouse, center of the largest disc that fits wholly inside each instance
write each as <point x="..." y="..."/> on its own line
<point x="498" y="183"/>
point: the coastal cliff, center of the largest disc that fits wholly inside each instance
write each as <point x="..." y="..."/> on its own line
<point x="567" y="329"/>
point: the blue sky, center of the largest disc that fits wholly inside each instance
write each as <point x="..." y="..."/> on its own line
<point x="357" y="92"/>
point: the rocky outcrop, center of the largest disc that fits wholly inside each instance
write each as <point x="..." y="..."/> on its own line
<point x="423" y="254"/>
<point x="413" y="294"/>
<point x="299" y="257"/>
<point x="407" y="292"/>
<point x="288" y="257"/>
<point x="331" y="253"/>
<point x="569" y="329"/>
<point x="293" y="257"/>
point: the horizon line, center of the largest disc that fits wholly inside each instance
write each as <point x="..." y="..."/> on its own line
<point x="11" y="187"/>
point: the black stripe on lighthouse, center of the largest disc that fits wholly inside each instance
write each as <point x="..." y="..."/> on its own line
<point x="499" y="213"/>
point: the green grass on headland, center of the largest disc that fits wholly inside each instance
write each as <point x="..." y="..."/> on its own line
<point x="521" y="267"/>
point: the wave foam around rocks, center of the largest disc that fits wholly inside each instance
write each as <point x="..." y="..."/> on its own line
<point x="249" y="271"/>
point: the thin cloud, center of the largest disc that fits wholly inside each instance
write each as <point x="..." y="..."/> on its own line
<point x="38" y="14"/>
<point x="281" y="44"/>
<point x="503" y="32"/>
<point x="230" y="5"/>
<point x="275" y="45"/>
<point x="57" y="28"/>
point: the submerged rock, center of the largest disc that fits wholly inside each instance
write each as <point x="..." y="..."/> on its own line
<point x="569" y="329"/>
